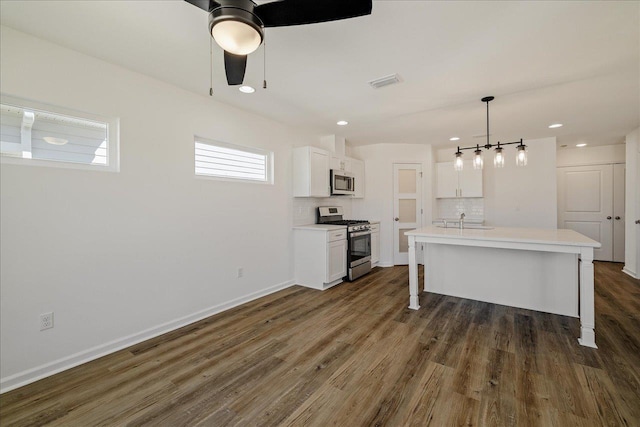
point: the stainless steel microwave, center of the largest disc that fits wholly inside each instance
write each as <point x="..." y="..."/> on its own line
<point x="342" y="182"/>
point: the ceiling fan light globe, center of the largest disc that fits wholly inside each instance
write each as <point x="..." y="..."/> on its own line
<point x="236" y="37"/>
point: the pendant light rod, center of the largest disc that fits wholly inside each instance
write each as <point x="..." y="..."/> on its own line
<point x="488" y="99"/>
<point x="488" y="146"/>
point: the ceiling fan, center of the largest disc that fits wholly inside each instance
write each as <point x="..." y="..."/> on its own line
<point x="238" y="25"/>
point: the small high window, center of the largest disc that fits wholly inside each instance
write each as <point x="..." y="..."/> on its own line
<point x="41" y="135"/>
<point x="232" y="162"/>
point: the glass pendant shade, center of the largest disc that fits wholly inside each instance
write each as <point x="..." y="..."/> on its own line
<point x="521" y="156"/>
<point x="236" y="37"/>
<point x="498" y="159"/>
<point x="477" y="159"/>
<point x="458" y="163"/>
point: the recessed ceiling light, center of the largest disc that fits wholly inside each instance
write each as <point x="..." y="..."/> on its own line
<point x="246" y="89"/>
<point x="581" y="145"/>
<point x="555" y="125"/>
<point x="454" y="138"/>
<point x="55" y="141"/>
<point x="342" y="123"/>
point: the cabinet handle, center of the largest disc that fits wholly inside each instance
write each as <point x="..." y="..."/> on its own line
<point x="396" y="219"/>
<point x="609" y="217"/>
<point x="637" y="221"/>
<point x="617" y="217"/>
<point x="461" y="192"/>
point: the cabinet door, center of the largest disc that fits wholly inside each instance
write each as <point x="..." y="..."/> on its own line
<point x="319" y="173"/>
<point x="357" y="169"/>
<point x="337" y="260"/>
<point x="337" y="163"/>
<point x="470" y="181"/>
<point x="341" y="163"/>
<point x="446" y="180"/>
<point x="375" y="247"/>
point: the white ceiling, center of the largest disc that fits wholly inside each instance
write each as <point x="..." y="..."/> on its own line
<point x="575" y="62"/>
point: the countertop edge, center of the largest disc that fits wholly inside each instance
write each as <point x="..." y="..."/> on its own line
<point x="486" y="235"/>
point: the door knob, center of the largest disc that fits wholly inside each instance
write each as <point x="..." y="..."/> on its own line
<point x="608" y="217"/>
<point x="396" y="219"/>
<point x="617" y="217"/>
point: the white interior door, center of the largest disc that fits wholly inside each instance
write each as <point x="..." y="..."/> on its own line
<point x="585" y="204"/>
<point x="619" y="172"/>
<point x="407" y="207"/>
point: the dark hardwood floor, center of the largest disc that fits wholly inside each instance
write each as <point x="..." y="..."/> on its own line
<point x="356" y="356"/>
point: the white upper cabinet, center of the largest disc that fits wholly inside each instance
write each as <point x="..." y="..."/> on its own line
<point x="446" y="180"/>
<point x="341" y="163"/>
<point x="451" y="183"/>
<point x="470" y="181"/>
<point x="357" y="169"/>
<point x="311" y="172"/>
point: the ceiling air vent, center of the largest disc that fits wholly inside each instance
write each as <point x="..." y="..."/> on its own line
<point x="385" y="81"/>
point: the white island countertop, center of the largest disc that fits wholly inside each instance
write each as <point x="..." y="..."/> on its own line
<point x="550" y="283"/>
<point x="562" y="237"/>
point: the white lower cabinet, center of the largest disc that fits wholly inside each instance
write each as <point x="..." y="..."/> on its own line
<point x="375" y="244"/>
<point x="320" y="259"/>
<point x="337" y="260"/>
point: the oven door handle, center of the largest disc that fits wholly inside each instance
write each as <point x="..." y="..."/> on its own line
<point x="360" y="233"/>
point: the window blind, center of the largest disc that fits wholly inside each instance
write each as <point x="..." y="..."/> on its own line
<point x="231" y="161"/>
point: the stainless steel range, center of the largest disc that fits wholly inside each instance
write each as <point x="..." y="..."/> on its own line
<point x="358" y="240"/>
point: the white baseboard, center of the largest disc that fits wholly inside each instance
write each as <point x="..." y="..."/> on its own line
<point x="630" y="273"/>
<point x="39" y="372"/>
<point x="383" y="265"/>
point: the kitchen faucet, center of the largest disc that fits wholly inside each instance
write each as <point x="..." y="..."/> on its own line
<point x="461" y="223"/>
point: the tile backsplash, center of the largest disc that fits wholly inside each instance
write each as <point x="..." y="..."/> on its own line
<point x="473" y="208"/>
<point x="304" y="208"/>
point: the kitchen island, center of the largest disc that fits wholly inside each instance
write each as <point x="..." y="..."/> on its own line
<point x="548" y="270"/>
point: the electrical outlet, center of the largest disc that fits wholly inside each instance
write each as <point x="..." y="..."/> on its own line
<point x="46" y="321"/>
<point x="240" y="272"/>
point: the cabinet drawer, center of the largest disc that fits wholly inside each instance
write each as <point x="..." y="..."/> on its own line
<point x="334" y="235"/>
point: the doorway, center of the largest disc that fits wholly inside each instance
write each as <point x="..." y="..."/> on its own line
<point x="407" y="207"/>
<point x="591" y="202"/>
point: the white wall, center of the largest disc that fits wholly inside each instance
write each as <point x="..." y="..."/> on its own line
<point x="523" y="196"/>
<point x="305" y="209"/>
<point x="584" y="156"/>
<point x="378" y="201"/>
<point x="119" y="257"/>
<point x="632" y="206"/>
<point x="519" y="196"/>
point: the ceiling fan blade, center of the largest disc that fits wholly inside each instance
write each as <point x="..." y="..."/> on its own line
<point x="296" y="12"/>
<point x="206" y="5"/>
<point x="234" y="67"/>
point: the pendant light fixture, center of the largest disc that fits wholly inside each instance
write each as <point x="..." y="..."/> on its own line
<point x="521" y="156"/>
<point x="477" y="158"/>
<point x="459" y="163"/>
<point x="498" y="156"/>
